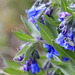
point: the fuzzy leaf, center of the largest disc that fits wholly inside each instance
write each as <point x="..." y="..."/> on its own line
<point x="45" y="32"/>
<point x="51" y="25"/>
<point x="64" y="5"/>
<point x="64" y="67"/>
<point x="26" y="50"/>
<point x="13" y="71"/>
<point x="24" y="37"/>
<point x="10" y="63"/>
<point x="30" y="27"/>
<point x="64" y="53"/>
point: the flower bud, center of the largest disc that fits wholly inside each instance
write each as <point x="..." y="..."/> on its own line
<point x="20" y="58"/>
<point x="64" y="31"/>
<point x="26" y="67"/>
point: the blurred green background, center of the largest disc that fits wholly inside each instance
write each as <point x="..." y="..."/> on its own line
<point x="10" y="11"/>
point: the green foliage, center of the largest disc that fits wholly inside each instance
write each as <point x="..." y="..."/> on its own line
<point x="48" y="34"/>
<point x="45" y="32"/>
<point x="10" y="64"/>
<point x="64" y="53"/>
<point x="66" y="68"/>
<point x="64" y="4"/>
<point x="24" y="37"/>
<point x="26" y="50"/>
<point x="14" y="71"/>
<point x="30" y="27"/>
<point x="50" y="23"/>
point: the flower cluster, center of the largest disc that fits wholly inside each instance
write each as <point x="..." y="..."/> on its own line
<point x="35" y="13"/>
<point x="66" y="37"/>
<point x="44" y="15"/>
<point x="30" y="65"/>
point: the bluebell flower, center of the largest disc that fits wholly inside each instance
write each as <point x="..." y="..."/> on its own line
<point x="20" y="58"/>
<point x="26" y="66"/>
<point x="71" y="5"/>
<point x="66" y="41"/>
<point x="62" y="15"/>
<point x="31" y="65"/>
<point x="65" y="59"/>
<point x="60" y="39"/>
<point x="33" y="12"/>
<point x="66" y="37"/>
<point x="49" y="55"/>
<point x="50" y="51"/>
<point x="34" y="68"/>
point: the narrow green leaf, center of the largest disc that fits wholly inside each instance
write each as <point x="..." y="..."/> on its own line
<point x="45" y="32"/>
<point x="30" y="27"/>
<point x="64" y="67"/>
<point x="10" y="63"/>
<point x="20" y="31"/>
<point x="64" y="53"/>
<point x="24" y="37"/>
<point x="56" y="58"/>
<point x="13" y="71"/>
<point x="69" y="11"/>
<point x="22" y="51"/>
<point x="72" y="9"/>
<point x="43" y="57"/>
<point x="51" y="25"/>
<point x="29" y="51"/>
<point x="58" y="2"/>
<point x="64" y="4"/>
<point x="51" y="69"/>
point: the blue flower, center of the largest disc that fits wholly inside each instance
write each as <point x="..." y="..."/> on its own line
<point x="66" y="41"/>
<point x="71" y="5"/>
<point x="36" y="26"/>
<point x="50" y="51"/>
<point x="34" y="68"/>
<point x="65" y="59"/>
<point x="33" y="12"/>
<point x="26" y="67"/>
<point x="49" y="55"/>
<point x="66" y="36"/>
<point x="62" y="16"/>
<point x="20" y="58"/>
<point x="31" y="66"/>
